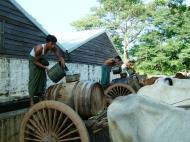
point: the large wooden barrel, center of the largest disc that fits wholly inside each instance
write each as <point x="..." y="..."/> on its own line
<point x="85" y="97"/>
<point x="62" y="92"/>
<point x="56" y="73"/>
<point x="89" y="99"/>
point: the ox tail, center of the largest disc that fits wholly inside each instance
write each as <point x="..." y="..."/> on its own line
<point x="169" y="80"/>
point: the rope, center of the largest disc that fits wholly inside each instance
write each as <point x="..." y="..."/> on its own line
<point x="180" y="101"/>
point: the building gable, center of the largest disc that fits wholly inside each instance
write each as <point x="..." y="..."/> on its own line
<point x="95" y="51"/>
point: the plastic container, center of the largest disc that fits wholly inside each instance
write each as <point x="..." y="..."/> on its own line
<point x="56" y="73"/>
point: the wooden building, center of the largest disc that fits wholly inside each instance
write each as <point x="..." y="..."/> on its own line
<point x="19" y="32"/>
<point x="87" y="52"/>
<point x="91" y="47"/>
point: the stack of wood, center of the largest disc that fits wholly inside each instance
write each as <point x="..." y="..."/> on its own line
<point x="98" y="128"/>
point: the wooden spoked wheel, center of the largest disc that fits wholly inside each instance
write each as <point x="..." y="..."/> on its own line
<point x="52" y="121"/>
<point x="118" y="89"/>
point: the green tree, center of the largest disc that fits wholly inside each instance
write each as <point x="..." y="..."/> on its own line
<point x="119" y="18"/>
<point x="164" y="46"/>
<point x="159" y="32"/>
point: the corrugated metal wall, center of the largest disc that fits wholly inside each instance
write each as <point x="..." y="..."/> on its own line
<point x="10" y="125"/>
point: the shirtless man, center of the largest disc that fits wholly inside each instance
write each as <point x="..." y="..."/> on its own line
<point x="38" y="66"/>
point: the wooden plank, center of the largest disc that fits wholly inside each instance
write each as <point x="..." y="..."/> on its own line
<point x="92" y="56"/>
<point x="10" y="125"/>
<point x="8" y="4"/>
<point x="84" y="53"/>
<point x="25" y="48"/>
<point x="89" y="58"/>
<point x="20" y="49"/>
<point x="19" y="23"/>
<point x="21" y="39"/>
<point x="15" y="18"/>
<point x="7" y="55"/>
<point x="1" y="34"/>
<point x="90" y="61"/>
<point x="92" y="52"/>
<point x="8" y="7"/>
<point x="25" y="30"/>
<point x="22" y="53"/>
<point x="15" y="12"/>
<point x="15" y="54"/>
<point x="15" y="43"/>
<point x="25" y="36"/>
<point x="6" y="115"/>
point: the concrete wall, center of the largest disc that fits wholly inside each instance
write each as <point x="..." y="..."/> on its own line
<point x="14" y="76"/>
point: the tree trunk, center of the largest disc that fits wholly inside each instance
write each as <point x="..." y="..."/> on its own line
<point x="126" y="57"/>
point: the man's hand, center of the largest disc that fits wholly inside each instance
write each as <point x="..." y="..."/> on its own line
<point x="62" y="62"/>
<point x="46" y="69"/>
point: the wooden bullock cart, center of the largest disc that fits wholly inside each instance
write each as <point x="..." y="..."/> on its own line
<point x="74" y="111"/>
<point x="122" y="86"/>
<point x="70" y="112"/>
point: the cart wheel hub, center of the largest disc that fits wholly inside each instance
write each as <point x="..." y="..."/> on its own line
<point x="49" y="138"/>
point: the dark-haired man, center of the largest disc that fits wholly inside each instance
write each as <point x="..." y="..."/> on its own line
<point x="106" y="69"/>
<point x="38" y="66"/>
<point x="127" y="68"/>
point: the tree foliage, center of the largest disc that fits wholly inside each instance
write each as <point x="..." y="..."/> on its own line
<point x="118" y="17"/>
<point x="158" y="33"/>
<point x="164" y="47"/>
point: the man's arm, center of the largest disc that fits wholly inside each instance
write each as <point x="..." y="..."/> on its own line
<point x="109" y="62"/>
<point x="56" y="52"/>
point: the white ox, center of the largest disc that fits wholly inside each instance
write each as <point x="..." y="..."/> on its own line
<point x="182" y="83"/>
<point x="136" y="118"/>
<point x="170" y="90"/>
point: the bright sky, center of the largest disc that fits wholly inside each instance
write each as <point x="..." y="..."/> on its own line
<point x="188" y="2"/>
<point x="56" y="15"/>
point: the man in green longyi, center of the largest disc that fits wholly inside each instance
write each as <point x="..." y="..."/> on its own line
<point x="38" y="66"/>
<point x="106" y="69"/>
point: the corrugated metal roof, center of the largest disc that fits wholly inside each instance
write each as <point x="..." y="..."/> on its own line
<point x="73" y="40"/>
<point x="34" y="21"/>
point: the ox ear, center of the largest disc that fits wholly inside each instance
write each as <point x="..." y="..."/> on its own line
<point x="169" y="81"/>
